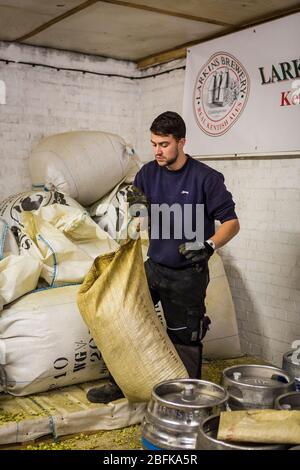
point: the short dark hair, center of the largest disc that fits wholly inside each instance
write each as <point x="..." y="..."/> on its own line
<point x="168" y="123"/>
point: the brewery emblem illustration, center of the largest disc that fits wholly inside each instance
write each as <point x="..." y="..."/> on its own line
<point x="221" y="92"/>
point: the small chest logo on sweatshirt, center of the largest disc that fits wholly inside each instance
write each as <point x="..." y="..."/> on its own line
<point x="185" y="192"/>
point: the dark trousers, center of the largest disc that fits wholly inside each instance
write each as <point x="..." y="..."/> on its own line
<point x="182" y="295"/>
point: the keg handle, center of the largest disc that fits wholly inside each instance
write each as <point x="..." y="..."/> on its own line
<point x="286" y="406"/>
<point x="188" y="393"/>
<point x="279" y="378"/>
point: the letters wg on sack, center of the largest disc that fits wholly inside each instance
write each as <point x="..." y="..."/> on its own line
<point x="80" y="358"/>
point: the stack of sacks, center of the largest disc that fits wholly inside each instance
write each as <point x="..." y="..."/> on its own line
<point x="57" y="243"/>
<point x="48" y="239"/>
<point x="18" y="273"/>
<point x="58" y="237"/>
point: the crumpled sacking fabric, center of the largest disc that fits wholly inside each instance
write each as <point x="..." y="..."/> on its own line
<point x="58" y="244"/>
<point x="115" y="303"/>
<point x="18" y="275"/>
<point x="265" y="426"/>
<point x="66" y="240"/>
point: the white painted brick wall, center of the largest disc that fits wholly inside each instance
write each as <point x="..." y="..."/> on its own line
<point x="43" y="101"/>
<point x="262" y="262"/>
<point x="158" y="94"/>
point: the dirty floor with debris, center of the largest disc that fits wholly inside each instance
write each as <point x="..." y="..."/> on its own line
<point x="127" y="438"/>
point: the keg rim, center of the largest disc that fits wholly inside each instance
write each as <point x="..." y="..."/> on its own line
<point x="191" y="406"/>
<point x="287" y="357"/>
<point x="283" y="396"/>
<point x="231" y="381"/>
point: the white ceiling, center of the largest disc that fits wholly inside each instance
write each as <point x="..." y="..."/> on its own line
<point x="132" y="29"/>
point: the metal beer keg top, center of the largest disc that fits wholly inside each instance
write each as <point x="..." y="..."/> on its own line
<point x="292" y="357"/>
<point x="257" y="375"/>
<point x="176" y="409"/>
<point x="255" y="386"/>
<point x="189" y="393"/>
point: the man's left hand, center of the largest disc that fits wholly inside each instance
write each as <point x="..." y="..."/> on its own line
<point x="197" y="252"/>
<point x="137" y="202"/>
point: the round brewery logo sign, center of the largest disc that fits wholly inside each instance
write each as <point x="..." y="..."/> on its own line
<point x="221" y="93"/>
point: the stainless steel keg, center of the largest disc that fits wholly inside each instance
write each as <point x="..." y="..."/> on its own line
<point x="207" y="439"/>
<point x="291" y="363"/>
<point x="176" y="409"/>
<point x="255" y="386"/>
<point x="288" y="401"/>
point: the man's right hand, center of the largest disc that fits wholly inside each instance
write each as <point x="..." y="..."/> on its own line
<point x="137" y="201"/>
<point x="196" y="252"/>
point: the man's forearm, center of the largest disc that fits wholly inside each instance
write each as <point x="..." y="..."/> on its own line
<point x="226" y="232"/>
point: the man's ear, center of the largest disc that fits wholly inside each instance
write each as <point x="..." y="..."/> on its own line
<point x="181" y="142"/>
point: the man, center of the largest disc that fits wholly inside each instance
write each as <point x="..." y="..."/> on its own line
<point x="177" y="268"/>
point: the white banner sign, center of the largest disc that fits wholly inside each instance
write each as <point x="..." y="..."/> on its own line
<point x="242" y="91"/>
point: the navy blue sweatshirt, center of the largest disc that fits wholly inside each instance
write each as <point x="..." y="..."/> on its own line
<point x="194" y="183"/>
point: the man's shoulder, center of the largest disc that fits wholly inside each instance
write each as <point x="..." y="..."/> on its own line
<point x="151" y="164"/>
<point x="203" y="169"/>
<point x="148" y="167"/>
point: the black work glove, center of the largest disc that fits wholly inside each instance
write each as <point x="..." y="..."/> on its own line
<point x="198" y="252"/>
<point x="138" y="203"/>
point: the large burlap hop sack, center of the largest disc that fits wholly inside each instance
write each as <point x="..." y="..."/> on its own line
<point x="84" y="164"/>
<point x="115" y="302"/>
<point x="45" y="344"/>
<point x="66" y="240"/>
<point x="263" y="426"/>
<point x="222" y="339"/>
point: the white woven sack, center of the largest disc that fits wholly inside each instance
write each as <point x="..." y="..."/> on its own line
<point x="66" y="240"/>
<point x="84" y="164"/>
<point x="19" y="274"/>
<point x="111" y="212"/>
<point x="45" y="344"/>
<point x="222" y="339"/>
<point x="8" y="244"/>
<point x="12" y="208"/>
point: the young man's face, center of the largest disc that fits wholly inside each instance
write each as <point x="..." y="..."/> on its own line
<point x="166" y="148"/>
